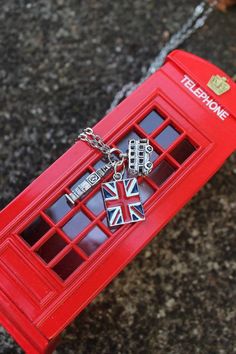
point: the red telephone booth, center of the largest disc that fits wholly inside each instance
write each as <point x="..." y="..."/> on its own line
<point x="55" y="257"/>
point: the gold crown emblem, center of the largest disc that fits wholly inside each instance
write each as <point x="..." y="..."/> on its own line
<point x="218" y="84"/>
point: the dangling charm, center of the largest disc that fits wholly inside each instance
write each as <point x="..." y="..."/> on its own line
<point x="91" y="181"/>
<point x="139" y="152"/>
<point x="121" y="196"/>
<point x="122" y="201"/>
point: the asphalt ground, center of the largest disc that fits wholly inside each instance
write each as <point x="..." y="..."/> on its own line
<point x="61" y="63"/>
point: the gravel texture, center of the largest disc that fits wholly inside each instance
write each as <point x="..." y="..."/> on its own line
<point x="61" y="62"/>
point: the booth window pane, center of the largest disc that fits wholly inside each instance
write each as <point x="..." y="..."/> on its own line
<point x="95" y="203"/>
<point x="112" y="229"/>
<point x="152" y="121"/>
<point x="35" y="231"/>
<point x="59" y="209"/>
<point x="167" y="137"/>
<point x="162" y="172"/>
<point x="51" y="248"/>
<point x="154" y="156"/>
<point x="146" y="191"/>
<point x="123" y="143"/>
<point x="183" y="150"/>
<point x="68" y="264"/>
<point x="99" y="164"/>
<point x="95" y="238"/>
<point x="76" y="224"/>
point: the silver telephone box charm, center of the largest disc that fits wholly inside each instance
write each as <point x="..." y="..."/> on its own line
<point x="139" y="152"/>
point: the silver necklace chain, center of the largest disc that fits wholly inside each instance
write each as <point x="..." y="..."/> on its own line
<point x="115" y="156"/>
<point x="196" y="21"/>
<point x="94" y="140"/>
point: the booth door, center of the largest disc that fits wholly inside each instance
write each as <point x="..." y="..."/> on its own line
<point x="61" y="244"/>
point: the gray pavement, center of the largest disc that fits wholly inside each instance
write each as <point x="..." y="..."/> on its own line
<point x="61" y="62"/>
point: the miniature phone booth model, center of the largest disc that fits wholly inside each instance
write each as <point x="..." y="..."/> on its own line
<point x="56" y="256"/>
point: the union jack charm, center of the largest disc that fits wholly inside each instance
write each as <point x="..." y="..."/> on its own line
<point x="122" y="202"/>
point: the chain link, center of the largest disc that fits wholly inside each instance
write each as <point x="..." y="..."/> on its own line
<point x="94" y="140"/>
<point x="115" y="156"/>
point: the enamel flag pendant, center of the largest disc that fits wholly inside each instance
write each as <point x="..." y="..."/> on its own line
<point x="122" y="202"/>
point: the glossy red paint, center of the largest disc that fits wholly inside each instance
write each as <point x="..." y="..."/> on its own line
<point x="54" y="259"/>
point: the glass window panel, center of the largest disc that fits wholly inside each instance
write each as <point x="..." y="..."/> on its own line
<point x="162" y="172"/>
<point x="59" y="209"/>
<point x="68" y="264"/>
<point x="167" y="137"/>
<point x="151" y="122"/>
<point x="35" y="231"/>
<point x="112" y="229"/>
<point x="99" y="164"/>
<point x="123" y="143"/>
<point x="154" y="156"/>
<point x="146" y="191"/>
<point x="94" y="239"/>
<point x="95" y="203"/>
<point x="81" y="179"/>
<point x="183" y="150"/>
<point x="51" y="248"/>
<point x="76" y="224"/>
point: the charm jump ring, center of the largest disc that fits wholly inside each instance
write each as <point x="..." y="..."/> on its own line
<point x="88" y="131"/>
<point x="118" y="152"/>
<point x="82" y="136"/>
<point x="118" y="174"/>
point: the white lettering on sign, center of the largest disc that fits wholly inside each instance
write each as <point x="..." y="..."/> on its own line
<point x="205" y="98"/>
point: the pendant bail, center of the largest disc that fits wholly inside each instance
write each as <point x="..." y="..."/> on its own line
<point x="118" y="152"/>
<point x="118" y="175"/>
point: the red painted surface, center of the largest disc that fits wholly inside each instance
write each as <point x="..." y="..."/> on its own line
<point x="55" y="259"/>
